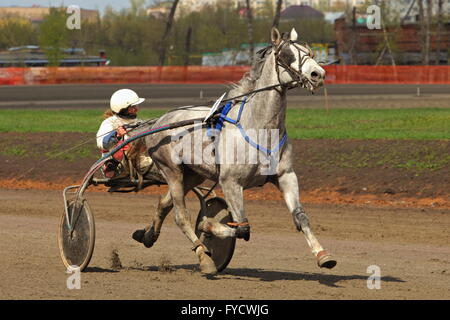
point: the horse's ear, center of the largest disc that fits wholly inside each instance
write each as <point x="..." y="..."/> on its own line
<point x="276" y="36"/>
<point x="294" y="35"/>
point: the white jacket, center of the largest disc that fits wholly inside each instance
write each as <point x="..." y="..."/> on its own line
<point x="107" y="135"/>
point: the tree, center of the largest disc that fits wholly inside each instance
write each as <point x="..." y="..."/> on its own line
<point x="163" y="45"/>
<point x="250" y="31"/>
<point x="388" y="43"/>
<point x="276" y="19"/>
<point x="187" y="47"/>
<point x="427" y="33"/>
<point x="53" y="35"/>
<point x="424" y="34"/>
<point x="438" y="31"/>
<point x="137" y="7"/>
<point x="16" y="32"/>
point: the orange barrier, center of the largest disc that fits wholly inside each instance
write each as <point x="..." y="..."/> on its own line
<point x="12" y="76"/>
<point x="145" y="74"/>
<point x="202" y="74"/>
<point x="388" y="74"/>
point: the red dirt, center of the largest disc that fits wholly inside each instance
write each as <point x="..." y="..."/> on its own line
<point x="268" y="192"/>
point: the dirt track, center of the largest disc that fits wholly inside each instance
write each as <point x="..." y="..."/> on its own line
<point x="340" y="192"/>
<point x="411" y="246"/>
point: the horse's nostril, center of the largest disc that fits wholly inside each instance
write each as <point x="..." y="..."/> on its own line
<point x="314" y="74"/>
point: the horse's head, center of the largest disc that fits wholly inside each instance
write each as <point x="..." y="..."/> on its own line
<point x="295" y="62"/>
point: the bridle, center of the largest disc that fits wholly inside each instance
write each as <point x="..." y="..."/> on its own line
<point x="296" y="75"/>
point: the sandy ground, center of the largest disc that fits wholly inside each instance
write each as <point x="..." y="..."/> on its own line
<point x="410" y="246"/>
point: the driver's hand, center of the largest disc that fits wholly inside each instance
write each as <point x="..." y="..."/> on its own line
<point x="121" y="131"/>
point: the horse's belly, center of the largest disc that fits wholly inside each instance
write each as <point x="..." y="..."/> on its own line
<point x="208" y="171"/>
<point x="257" y="181"/>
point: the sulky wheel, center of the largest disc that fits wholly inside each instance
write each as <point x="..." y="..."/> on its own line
<point x="221" y="249"/>
<point x="76" y="246"/>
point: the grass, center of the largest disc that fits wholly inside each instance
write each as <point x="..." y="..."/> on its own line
<point x="369" y="124"/>
<point x="17" y="150"/>
<point x="418" y="124"/>
<point x="414" y="155"/>
<point x="57" y="120"/>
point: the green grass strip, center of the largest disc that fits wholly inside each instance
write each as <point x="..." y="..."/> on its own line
<point x="415" y="124"/>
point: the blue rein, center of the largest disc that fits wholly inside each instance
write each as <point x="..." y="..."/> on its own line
<point x="224" y="118"/>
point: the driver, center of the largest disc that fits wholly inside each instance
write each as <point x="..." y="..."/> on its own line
<point x="124" y="107"/>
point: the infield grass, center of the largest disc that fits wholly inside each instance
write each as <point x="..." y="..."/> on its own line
<point x="301" y="123"/>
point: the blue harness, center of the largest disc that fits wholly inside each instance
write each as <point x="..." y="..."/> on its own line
<point x="224" y="118"/>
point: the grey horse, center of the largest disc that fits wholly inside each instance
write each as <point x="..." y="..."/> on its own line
<point x="285" y="63"/>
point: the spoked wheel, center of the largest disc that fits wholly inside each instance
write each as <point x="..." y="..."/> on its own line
<point x="76" y="245"/>
<point x="221" y="249"/>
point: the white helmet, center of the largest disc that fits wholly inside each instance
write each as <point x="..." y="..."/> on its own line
<point x="124" y="98"/>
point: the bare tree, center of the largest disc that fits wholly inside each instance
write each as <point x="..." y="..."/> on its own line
<point x="187" y="46"/>
<point x="250" y="31"/>
<point x="163" y="46"/>
<point x="428" y="33"/>
<point x="353" y="55"/>
<point x="385" y="47"/>
<point x="422" y="32"/>
<point x="276" y="19"/>
<point x="386" y="41"/>
<point x="438" y="31"/>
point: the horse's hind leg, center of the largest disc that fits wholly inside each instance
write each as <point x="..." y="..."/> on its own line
<point x="150" y="233"/>
<point x="178" y="190"/>
<point x="288" y="184"/>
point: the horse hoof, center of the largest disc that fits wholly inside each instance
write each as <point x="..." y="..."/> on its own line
<point x="149" y="238"/>
<point x="207" y="265"/>
<point x="324" y="260"/>
<point x="138" y="235"/>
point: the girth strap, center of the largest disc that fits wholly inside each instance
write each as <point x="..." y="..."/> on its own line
<point x="224" y="118"/>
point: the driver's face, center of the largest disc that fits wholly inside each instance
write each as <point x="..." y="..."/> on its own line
<point x="133" y="109"/>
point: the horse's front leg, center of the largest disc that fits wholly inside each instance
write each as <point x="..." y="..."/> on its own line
<point x="234" y="197"/>
<point x="288" y="184"/>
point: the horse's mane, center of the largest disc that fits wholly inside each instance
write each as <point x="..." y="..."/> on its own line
<point x="248" y="80"/>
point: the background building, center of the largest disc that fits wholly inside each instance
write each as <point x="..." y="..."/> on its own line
<point x="301" y="12"/>
<point x="161" y="10"/>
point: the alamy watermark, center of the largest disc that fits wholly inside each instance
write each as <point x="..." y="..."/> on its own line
<point x="74" y="280"/>
<point x="232" y="146"/>
<point x="74" y="20"/>
<point x="374" y="280"/>
<point x="373" y="17"/>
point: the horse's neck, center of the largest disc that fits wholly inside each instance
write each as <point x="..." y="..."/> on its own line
<point x="266" y="109"/>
